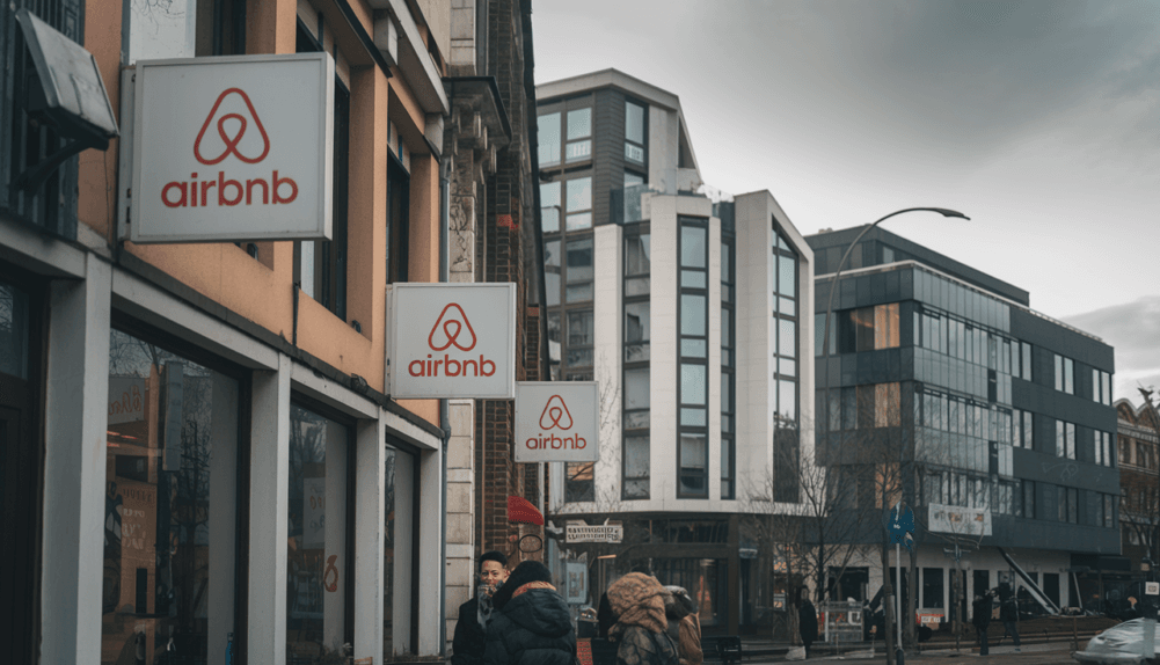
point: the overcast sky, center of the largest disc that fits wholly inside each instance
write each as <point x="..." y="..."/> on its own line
<point x="1038" y="119"/>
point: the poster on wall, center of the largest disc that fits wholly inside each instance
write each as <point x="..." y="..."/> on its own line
<point x="577" y="591"/>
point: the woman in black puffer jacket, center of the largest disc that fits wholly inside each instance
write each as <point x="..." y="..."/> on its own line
<point x="531" y="624"/>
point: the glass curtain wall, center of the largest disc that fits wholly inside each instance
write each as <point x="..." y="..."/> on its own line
<point x="637" y="333"/>
<point x="693" y="416"/>
<point x="170" y="506"/>
<point x="783" y="290"/>
<point x="728" y="382"/>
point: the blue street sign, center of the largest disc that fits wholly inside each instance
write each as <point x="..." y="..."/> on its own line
<point x="901" y="525"/>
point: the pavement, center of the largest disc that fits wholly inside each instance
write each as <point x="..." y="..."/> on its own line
<point x="1031" y="654"/>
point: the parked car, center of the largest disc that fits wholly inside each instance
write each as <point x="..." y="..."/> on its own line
<point x="1121" y="644"/>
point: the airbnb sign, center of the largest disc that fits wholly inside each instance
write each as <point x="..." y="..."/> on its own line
<point x="231" y="149"/>
<point x="557" y="421"/>
<point x="452" y="340"/>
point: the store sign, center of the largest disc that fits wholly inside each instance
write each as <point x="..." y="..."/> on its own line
<point x="234" y="148"/>
<point x="452" y="340"/>
<point x="557" y="421"/>
<point x="582" y="533"/>
<point x="959" y="521"/>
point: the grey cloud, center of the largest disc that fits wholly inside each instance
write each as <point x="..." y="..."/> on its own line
<point x="1133" y="329"/>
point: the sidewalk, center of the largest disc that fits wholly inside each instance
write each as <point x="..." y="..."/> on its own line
<point x="1031" y="654"/>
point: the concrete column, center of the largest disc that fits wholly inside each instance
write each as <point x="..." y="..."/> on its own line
<point x="74" y="466"/>
<point x="370" y="486"/>
<point x="460" y="510"/>
<point x="269" y="502"/>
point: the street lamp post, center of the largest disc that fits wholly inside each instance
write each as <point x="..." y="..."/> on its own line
<point x="945" y="212"/>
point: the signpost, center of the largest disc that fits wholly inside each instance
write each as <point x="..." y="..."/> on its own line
<point x="226" y="149"/>
<point x="452" y="340"/>
<point x="557" y="421"/>
<point x="901" y="528"/>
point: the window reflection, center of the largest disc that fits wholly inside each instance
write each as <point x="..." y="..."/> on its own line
<point x="316" y="558"/>
<point x="170" y="497"/>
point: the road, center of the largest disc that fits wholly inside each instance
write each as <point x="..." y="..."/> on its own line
<point x="1032" y="654"/>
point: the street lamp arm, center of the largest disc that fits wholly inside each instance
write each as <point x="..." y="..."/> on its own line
<point x="945" y="212"/>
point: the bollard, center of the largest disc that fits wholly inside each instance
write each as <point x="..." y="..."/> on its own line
<point x="900" y="657"/>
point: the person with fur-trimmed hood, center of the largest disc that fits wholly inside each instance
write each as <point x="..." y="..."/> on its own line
<point x="641" y="629"/>
<point x="684" y="625"/>
<point x="530" y="624"/>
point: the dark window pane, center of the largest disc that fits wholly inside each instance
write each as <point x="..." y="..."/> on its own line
<point x="636" y="389"/>
<point x="580" y="328"/>
<point x="693" y="314"/>
<point x="550" y="205"/>
<point x="636" y="255"/>
<point x="579" y="260"/>
<point x="634" y="122"/>
<point x="579" y="123"/>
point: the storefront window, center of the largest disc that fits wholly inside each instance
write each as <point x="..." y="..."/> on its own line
<point x="316" y="562"/>
<point x="399" y="555"/>
<point x="170" y="507"/>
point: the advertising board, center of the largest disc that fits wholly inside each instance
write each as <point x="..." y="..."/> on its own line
<point x="232" y="148"/>
<point x="557" y="421"/>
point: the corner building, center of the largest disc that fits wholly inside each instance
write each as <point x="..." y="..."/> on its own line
<point x="201" y="460"/>
<point x="689" y="314"/>
<point x="989" y="406"/>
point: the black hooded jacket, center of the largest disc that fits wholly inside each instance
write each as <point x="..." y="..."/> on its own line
<point x="533" y="628"/>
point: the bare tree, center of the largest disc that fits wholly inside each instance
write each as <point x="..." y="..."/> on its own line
<point x="1140" y="496"/>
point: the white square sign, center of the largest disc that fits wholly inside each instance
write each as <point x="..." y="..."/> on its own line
<point x="452" y="340"/>
<point x="557" y="421"/>
<point x="233" y="148"/>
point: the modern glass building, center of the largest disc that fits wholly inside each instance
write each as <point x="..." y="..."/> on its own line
<point x="986" y="409"/>
<point x="687" y="311"/>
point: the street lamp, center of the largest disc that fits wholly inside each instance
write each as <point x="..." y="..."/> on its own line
<point x="945" y="212"/>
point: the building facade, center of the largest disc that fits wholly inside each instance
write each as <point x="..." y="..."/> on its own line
<point x="981" y="407"/>
<point x="1138" y="436"/>
<point x="688" y="314"/>
<point x="201" y="454"/>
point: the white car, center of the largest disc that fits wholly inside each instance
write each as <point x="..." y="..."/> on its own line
<point x="1119" y="645"/>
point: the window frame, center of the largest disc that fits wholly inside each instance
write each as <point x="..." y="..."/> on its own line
<point x="643" y="145"/>
<point x="683" y="222"/>
<point x="635" y="232"/>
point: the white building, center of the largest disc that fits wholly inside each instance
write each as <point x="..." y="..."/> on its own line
<point x="688" y="314"/>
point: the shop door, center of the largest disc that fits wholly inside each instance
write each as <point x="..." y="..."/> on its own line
<point x="20" y="478"/>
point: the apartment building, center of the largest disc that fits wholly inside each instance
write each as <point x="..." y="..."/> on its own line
<point x="689" y="314"/>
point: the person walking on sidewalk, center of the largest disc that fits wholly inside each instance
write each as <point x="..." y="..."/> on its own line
<point x="531" y="624"/>
<point x="471" y="629"/>
<point x="808" y="624"/>
<point x="640" y="632"/>
<point x="1009" y="614"/>
<point x="684" y="625"/>
<point x="981" y="617"/>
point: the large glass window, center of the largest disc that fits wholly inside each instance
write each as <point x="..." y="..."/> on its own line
<point x="400" y="503"/>
<point x="565" y="128"/>
<point x="170" y="506"/>
<point x="728" y="409"/>
<point x="548" y="128"/>
<point x="1065" y="439"/>
<point x="1064" y="374"/>
<point x="637" y="326"/>
<point x="693" y="414"/>
<point x="317" y="562"/>
<point x="635" y="141"/>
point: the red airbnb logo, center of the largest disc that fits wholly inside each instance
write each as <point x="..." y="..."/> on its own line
<point x="556" y="416"/>
<point x="448" y="328"/>
<point x="331" y="583"/>
<point x="451" y="329"/>
<point x="555" y="411"/>
<point x="231" y="144"/>
<point x="218" y="188"/>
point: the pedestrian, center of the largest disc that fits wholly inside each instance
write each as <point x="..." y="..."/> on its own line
<point x="471" y="628"/>
<point x="981" y="617"/>
<point x="531" y="624"/>
<point x="1009" y="614"/>
<point x="807" y="624"/>
<point x="640" y="631"/>
<point x="1133" y="612"/>
<point x="684" y="625"/>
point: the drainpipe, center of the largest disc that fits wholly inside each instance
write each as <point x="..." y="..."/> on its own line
<point x="444" y="415"/>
